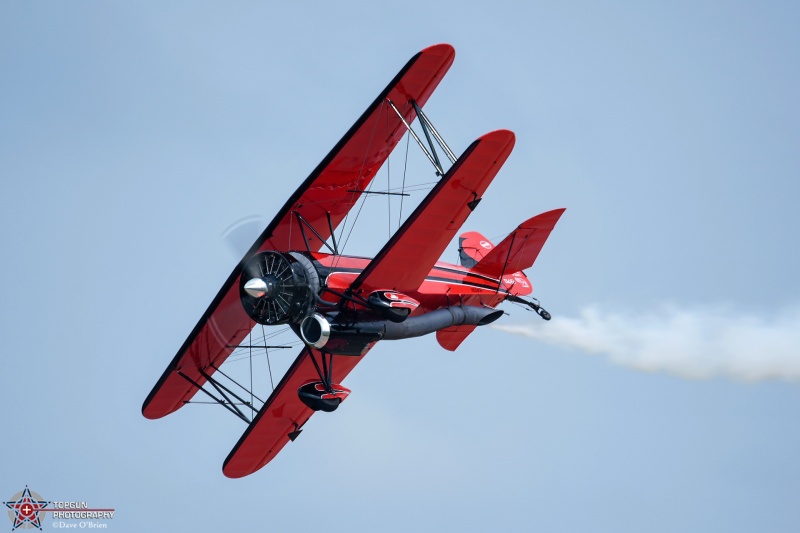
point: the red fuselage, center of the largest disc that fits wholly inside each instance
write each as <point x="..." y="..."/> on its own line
<point x="446" y="284"/>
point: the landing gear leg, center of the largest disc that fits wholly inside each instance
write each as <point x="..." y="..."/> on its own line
<point x="323" y="395"/>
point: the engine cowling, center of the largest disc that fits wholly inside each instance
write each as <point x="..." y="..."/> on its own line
<point x="276" y="288"/>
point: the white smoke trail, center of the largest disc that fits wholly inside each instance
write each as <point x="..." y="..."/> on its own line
<point x="694" y="343"/>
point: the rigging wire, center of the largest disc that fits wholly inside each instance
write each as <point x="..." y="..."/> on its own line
<point x="238" y="353"/>
<point x="403" y="188"/>
<point x="353" y="225"/>
<point x="269" y="366"/>
<point x="389" y="182"/>
<point x="212" y="403"/>
<point x="380" y="110"/>
<point x="250" y="336"/>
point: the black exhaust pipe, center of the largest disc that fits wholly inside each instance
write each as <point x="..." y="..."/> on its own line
<point x="418" y="326"/>
<point x="320" y="332"/>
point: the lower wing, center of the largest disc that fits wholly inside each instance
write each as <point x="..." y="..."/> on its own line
<point x="283" y="414"/>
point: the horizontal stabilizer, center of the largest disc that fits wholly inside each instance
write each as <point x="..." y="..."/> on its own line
<point x="451" y="338"/>
<point x="520" y="249"/>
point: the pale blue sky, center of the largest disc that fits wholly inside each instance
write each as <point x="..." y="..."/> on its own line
<point x="132" y="136"/>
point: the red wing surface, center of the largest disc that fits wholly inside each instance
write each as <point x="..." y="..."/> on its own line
<point x="520" y="249"/>
<point x="412" y="251"/>
<point x="327" y="192"/>
<point x="281" y="414"/>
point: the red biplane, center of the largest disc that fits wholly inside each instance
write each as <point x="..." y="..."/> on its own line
<point x="339" y="305"/>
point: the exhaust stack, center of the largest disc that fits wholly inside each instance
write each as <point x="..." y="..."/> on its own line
<point x="353" y="338"/>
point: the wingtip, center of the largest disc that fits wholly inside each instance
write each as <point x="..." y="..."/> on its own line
<point x="232" y="475"/>
<point x="440" y="48"/>
<point x="441" y="54"/>
<point x="499" y="134"/>
<point x="502" y="136"/>
<point x="233" y="470"/>
<point x="149" y="414"/>
<point x="145" y="405"/>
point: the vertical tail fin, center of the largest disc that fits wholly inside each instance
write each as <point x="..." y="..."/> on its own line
<point x="515" y="253"/>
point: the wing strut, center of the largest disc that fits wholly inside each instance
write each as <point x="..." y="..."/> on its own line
<point x="226" y="401"/>
<point x="434" y="159"/>
<point x="226" y="396"/>
<point x="427" y="124"/>
<point x="428" y="130"/>
<point x="303" y="222"/>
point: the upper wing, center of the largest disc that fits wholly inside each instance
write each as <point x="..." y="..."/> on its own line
<point x="408" y="257"/>
<point x="325" y="195"/>
<point x="357" y="157"/>
<point x="283" y="413"/>
<point x="521" y="247"/>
